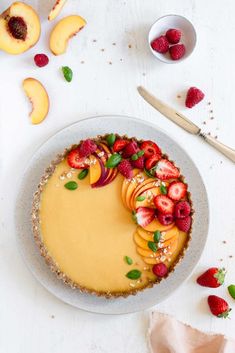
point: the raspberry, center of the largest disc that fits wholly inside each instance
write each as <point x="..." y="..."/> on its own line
<point x="17" y="27"/>
<point x="41" y="60"/>
<point x="194" y="96"/>
<point x="165" y="219"/>
<point x="182" y="209"/>
<point x="184" y="224"/>
<point x="87" y="148"/>
<point x="160" y="270"/>
<point x="125" y="169"/>
<point x="177" y="51"/>
<point x="130" y="149"/>
<point x="160" y="44"/>
<point x="139" y="163"/>
<point x="173" y="35"/>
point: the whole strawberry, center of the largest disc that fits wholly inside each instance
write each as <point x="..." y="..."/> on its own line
<point x="194" y="96"/>
<point x="213" y="277"/>
<point x="218" y="306"/>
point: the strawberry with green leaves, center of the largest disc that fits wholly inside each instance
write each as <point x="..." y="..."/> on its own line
<point x="213" y="277"/>
<point x="218" y="306"/>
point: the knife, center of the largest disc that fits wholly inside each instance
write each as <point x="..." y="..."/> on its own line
<point x="185" y="123"/>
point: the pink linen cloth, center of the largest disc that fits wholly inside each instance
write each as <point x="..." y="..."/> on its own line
<point x="168" y="335"/>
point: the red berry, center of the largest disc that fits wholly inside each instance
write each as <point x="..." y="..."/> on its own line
<point x="139" y="163"/>
<point x="160" y="270"/>
<point x="182" y="209"/>
<point x="173" y="35"/>
<point x="163" y="204"/>
<point x="166" y="170"/>
<point x="41" y="60"/>
<point x="218" y="306"/>
<point x="152" y="161"/>
<point x="165" y="219"/>
<point x="76" y="161"/>
<point x="87" y="147"/>
<point x="119" y="145"/>
<point x="177" y="51"/>
<point x="125" y="168"/>
<point x="150" y="148"/>
<point x="144" y="216"/>
<point x="160" y="44"/>
<point x="130" y="149"/>
<point x="184" y="224"/>
<point x="213" y="277"/>
<point x="194" y="96"/>
<point x="177" y="190"/>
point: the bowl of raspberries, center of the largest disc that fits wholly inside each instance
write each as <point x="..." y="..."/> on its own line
<point x="172" y="38"/>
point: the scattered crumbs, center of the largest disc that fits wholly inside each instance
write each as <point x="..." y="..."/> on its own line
<point x="110" y="63"/>
<point x="216" y="137"/>
<point x="121" y="59"/>
<point x="94" y="40"/>
<point x="129" y="46"/>
<point x="221" y="260"/>
<point x="212" y="118"/>
<point x="132" y="285"/>
<point x="221" y="162"/>
<point x="52" y="316"/>
<point x="209" y="103"/>
<point x="113" y="43"/>
<point x="102" y="49"/>
<point x="146" y="268"/>
<point x="230" y="256"/>
<point x="224" y="242"/>
<point x="211" y="111"/>
<point x="209" y="133"/>
<point x="178" y="96"/>
<point x="204" y="122"/>
<point x="82" y="62"/>
<point x="144" y="74"/>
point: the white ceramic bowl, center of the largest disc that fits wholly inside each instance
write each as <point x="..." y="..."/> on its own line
<point x="189" y="36"/>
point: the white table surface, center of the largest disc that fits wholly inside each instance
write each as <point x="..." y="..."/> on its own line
<point x="31" y="319"/>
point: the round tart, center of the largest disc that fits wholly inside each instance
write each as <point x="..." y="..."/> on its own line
<point x="112" y="215"/>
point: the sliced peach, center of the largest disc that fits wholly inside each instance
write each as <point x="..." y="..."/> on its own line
<point x="59" y="4"/>
<point x="38" y="96"/>
<point x="125" y="185"/>
<point x="144" y="234"/>
<point x="148" y="195"/>
<point x="156" y="225"/>
<point x="145" y="253"/>
<point x="20" y="28"/>
<point x="148" y="183"/>
<point x="63" y="31"/>
<point x="140" y="241"/>
<point x="131" y="188"/>
<point x="168" y="234"/>
<point x="95" y="171"/>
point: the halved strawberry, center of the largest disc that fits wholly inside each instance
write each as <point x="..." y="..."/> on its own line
<point x="163" y="204"/>
<point x="75" y="161"/>
<point x="152" y="161"/>
<point x="150" y="148"/>
<point x="119" y="145"/>
<point x="166" y="170"/>
<point x="144" y="216"/>
<point x="177" y="190"/>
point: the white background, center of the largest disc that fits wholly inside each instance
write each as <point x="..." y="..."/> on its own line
<point x="31" y="319"/>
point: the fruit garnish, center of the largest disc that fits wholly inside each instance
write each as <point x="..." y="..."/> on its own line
<point x="173" y="35"/>
<point x="165" y="219"/>
<point x="213" y="277"/>
<point x="41" y="60"/>
<point x="134" y="274"/>
<point x="140" y="153"/>
<point x="160" y="44"/>
<point x="194" y="96"/>
<point x="17" y="27"/>
<point x="150" y="148"/>
<point x="125" y="168"/>
<point x="166" y="170"/>
<point x="113" y="160"/>
<point x="177" y="51"/>
<point x="87" y="147"/>
<point x="119" y="145"/>
<point x="218" y="306"/>
<point x="157" y="236"/>
<point x="144" y="216"/>
<point x="128" y="260"/>
<point x="150" y="173"/>
<point x="184" y="224"/>
<point x="163" y="204"/>
<point x="130" y="149"/>
<point x="177" y="190"/>
<point x="83" y="174"/>
<point x="152" y="246"/>
<point x="140" y="198"/>
<point x="111" y="139"/>
<point x="152" y="161"/>
<point x="68" y="73"/>
<point x="71" y="185"/>
<point x="182" y="209"/>
<point x="75" y="160"/>
<point x="231" y="290"/>
<point x="160" y="270"/>
<point x="163" y="189"/>
<point x="138" y="163"/>
<point x="56" y="9"/>
<point x="134" y="157"/>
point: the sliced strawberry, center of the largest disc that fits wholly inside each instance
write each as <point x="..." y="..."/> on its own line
<point x="144" y="216"/>
<point x="163" y="204"/>
<point x="152" y="161"/>
<point x="177" y="190"/>
<point x="150" y="148"/>
<point x="166" y="170"/>
<point x="75" y="161"/>
<point x="119" y="145"/>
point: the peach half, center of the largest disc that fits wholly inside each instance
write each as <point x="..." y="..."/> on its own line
<point x="59" y="4"/>
<point x="20" y="28"/>
<point x="38" y="96"/>
<point x="63" y="31"/>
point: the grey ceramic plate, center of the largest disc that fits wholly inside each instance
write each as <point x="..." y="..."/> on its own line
<point x="42" y="158"/>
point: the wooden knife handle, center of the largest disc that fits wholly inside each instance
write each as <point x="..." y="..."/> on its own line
<point x="225" y="150"/>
